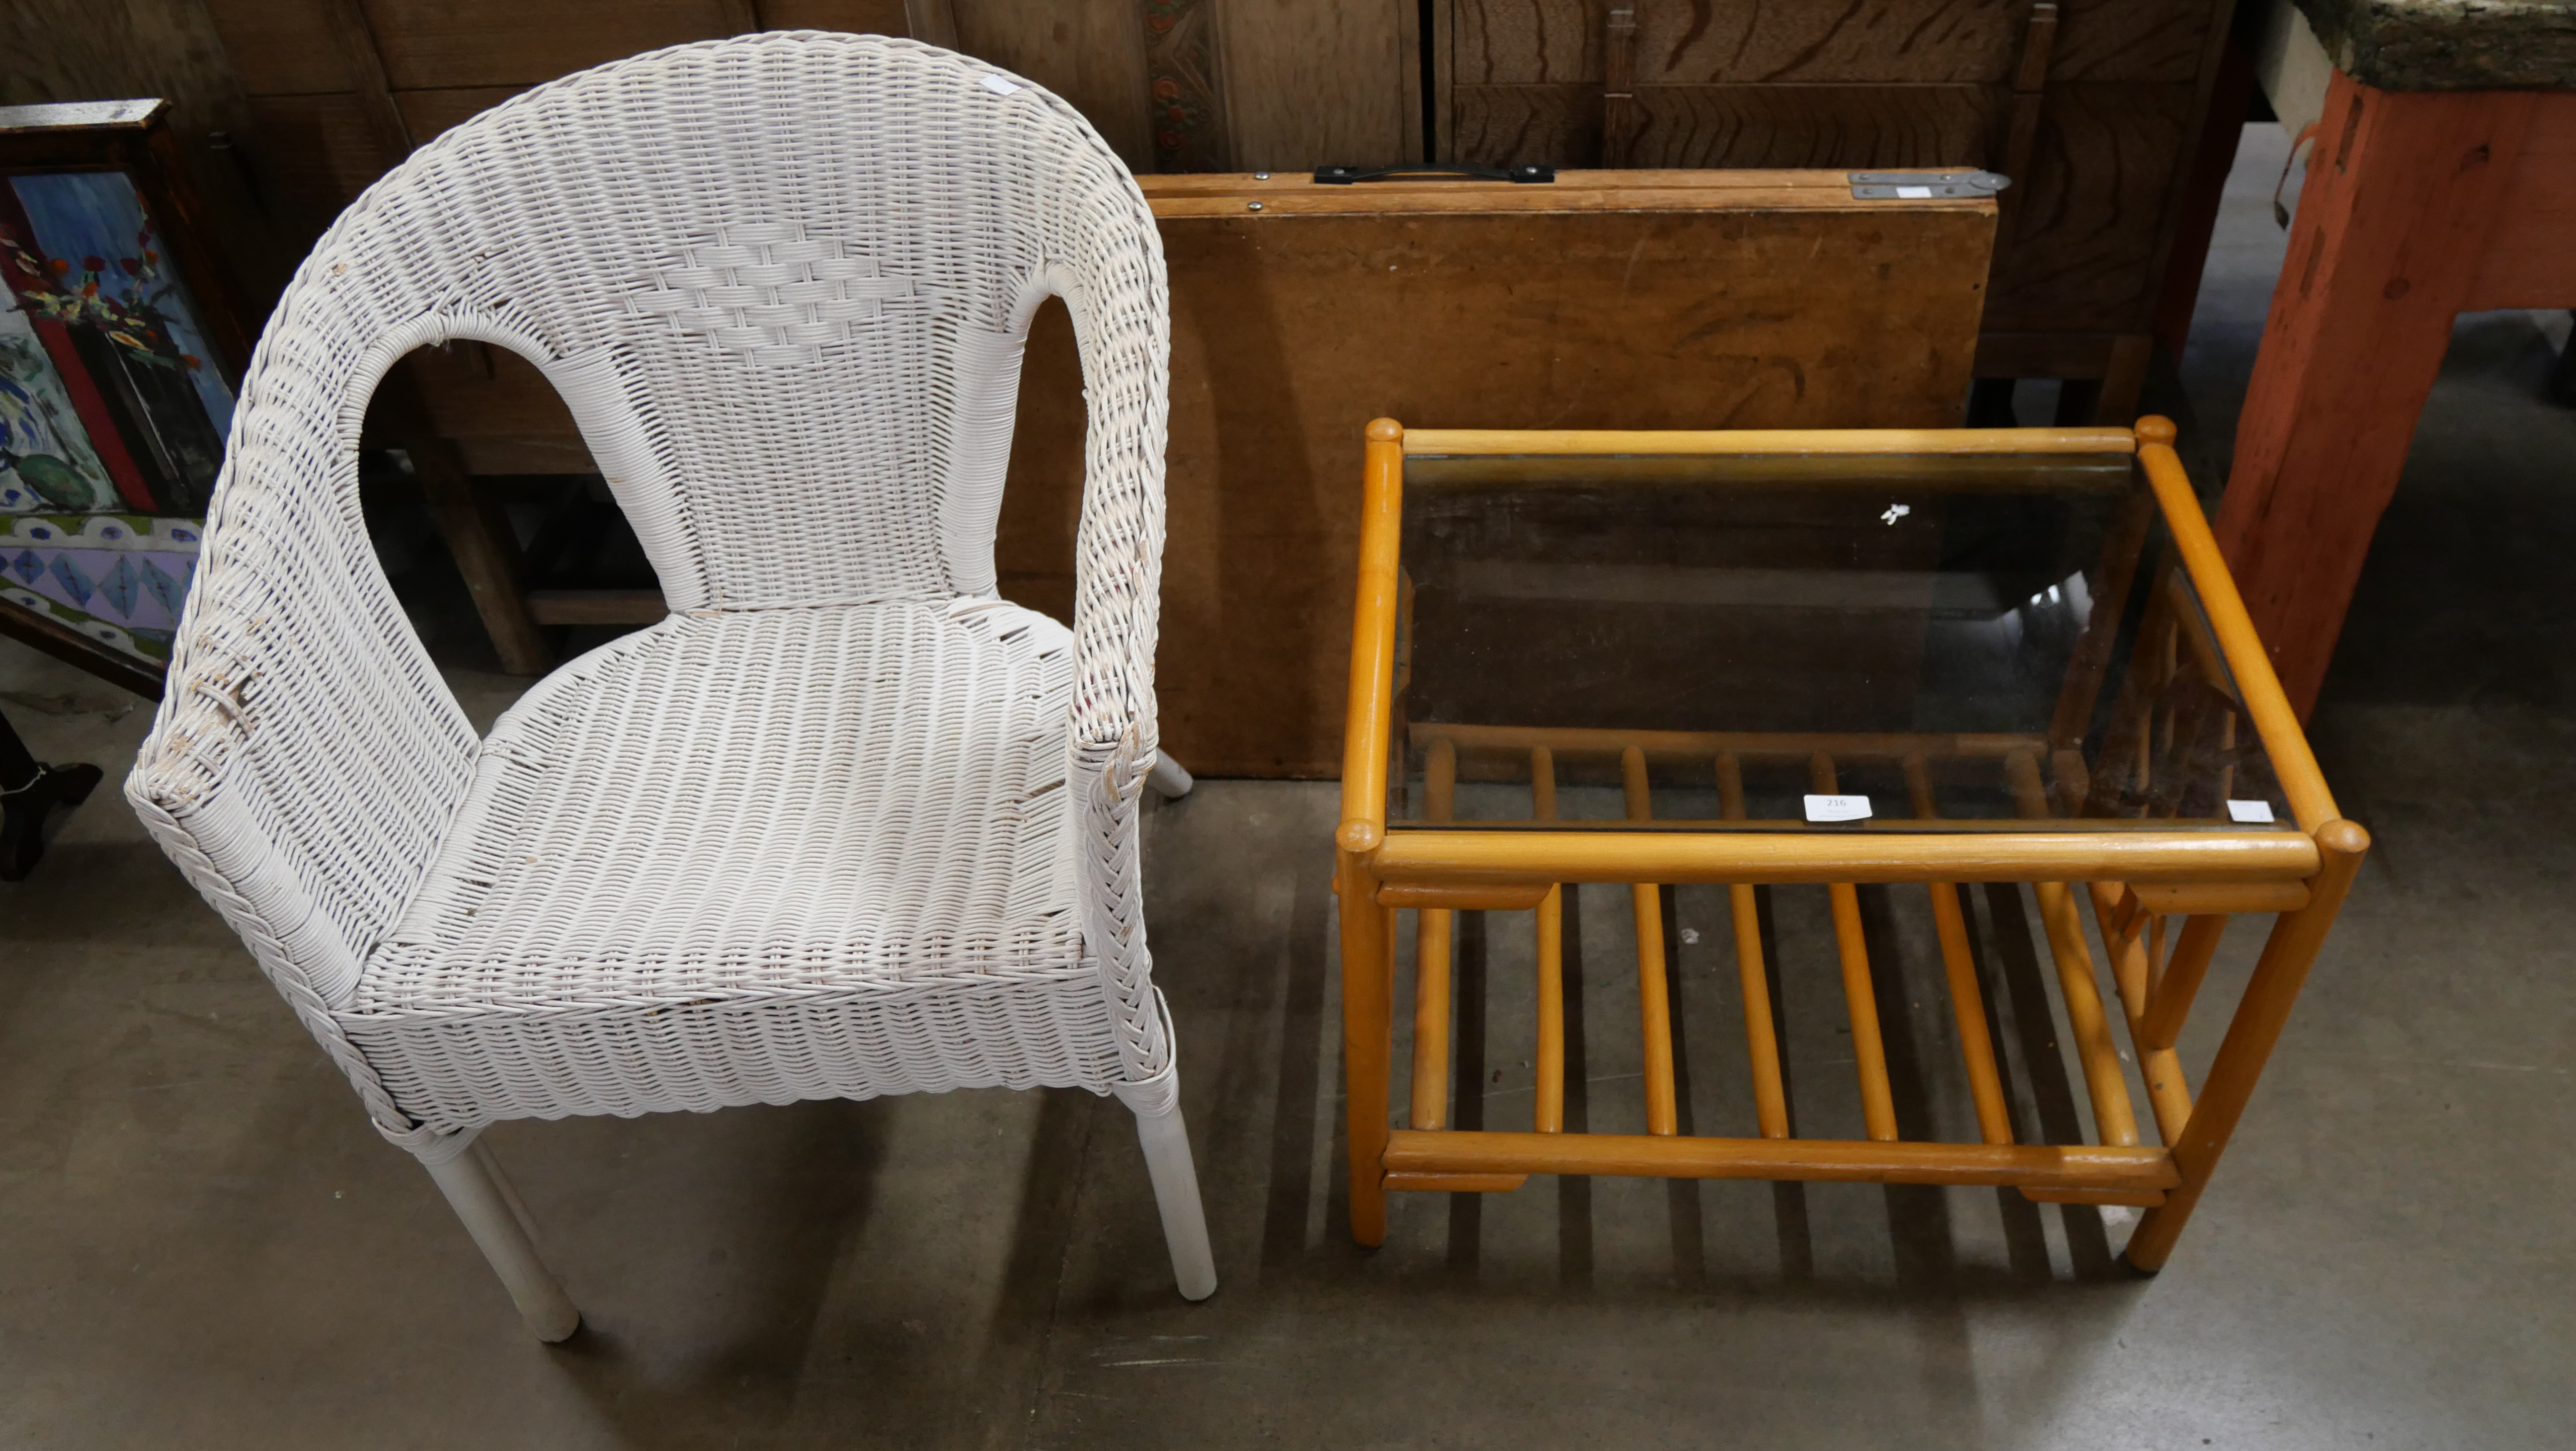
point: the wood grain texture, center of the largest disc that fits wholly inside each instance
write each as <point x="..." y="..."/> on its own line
<point x="1090" y="52"/>
<point x="513" y="43"/>
<point x="2082" y="251"/>
<point x="282" y="47"/>
<point x="322" y="152"/>
<point x="856" y="17"/>
<point x="1290" y="332"/>
<point x="1700" y="42"/>
<point x="1310" y="83"/>
<point x="2531" y="259"/>
<point x="1833" y="127"/>
<point x="427" y="113"/>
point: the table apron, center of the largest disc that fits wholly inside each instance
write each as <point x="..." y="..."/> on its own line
<point x="1459" y="859"/>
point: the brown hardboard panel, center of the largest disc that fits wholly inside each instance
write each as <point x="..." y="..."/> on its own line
<point x="1290" y="333"/>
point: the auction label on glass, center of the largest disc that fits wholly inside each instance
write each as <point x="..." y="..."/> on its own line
<point x="2255" y="811"/>
<point x="1838" y="808"/>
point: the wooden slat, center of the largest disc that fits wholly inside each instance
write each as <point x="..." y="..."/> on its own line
<point x="2113" y="1119"/>
<point x="1461" y="899"/>
<point x="2169" y="1001"/>
<point x="1474" y="742"/>
<point x="1753" y="976"/>
<point x="2185" y="899"/>
<point x="1967" y="999"/>
<point x="1431" y="961"/>
<point x="1860" y="996"/>
<point x="1654" y="1006"/>
<point x="2045" y="1166"/>
<point x="1459" y="1183"/>
<point x="2139" y="1199"/>
<point x="2168" y="1091"/>
<point x="1548" y="1112"/>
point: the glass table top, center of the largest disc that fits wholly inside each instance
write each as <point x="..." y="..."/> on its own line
<point x="1920" y="642"/>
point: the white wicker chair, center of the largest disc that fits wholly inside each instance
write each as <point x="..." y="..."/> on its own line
<point x="845" y="823"/>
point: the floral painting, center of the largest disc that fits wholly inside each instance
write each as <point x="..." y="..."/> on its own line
<point x="112" y="421"/>
<point x="46" y="461"/>
<point x="88" y="272"/>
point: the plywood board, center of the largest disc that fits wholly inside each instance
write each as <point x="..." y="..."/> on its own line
<point x="1775" y="301"/>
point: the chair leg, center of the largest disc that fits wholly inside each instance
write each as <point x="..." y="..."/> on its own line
<point x="1168" y="778"/>
<point x="482" y="1197"/>
<point x="1176" y="1193"/>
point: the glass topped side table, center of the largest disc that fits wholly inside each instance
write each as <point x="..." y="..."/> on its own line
<point x="1877" y="656"/>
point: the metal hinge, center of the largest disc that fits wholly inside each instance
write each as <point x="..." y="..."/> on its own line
<point x="1924" y="185"/>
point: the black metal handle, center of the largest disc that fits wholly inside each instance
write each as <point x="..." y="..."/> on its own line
<point x="1345" y="175"/>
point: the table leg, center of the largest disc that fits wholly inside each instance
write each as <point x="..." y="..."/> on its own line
<point x="2401" y="198"/>
<point x="1368" y="1011"/>
<point x="2265" y="1010"/>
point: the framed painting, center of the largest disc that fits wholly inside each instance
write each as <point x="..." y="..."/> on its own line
<point x="120" y="354"/>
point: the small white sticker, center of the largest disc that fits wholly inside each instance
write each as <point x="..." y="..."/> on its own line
<point x="1914" y="193"/>
<point x="1001" y="87"/>
<point x="2254" y="811"/>
<point x="1838" y="808"/>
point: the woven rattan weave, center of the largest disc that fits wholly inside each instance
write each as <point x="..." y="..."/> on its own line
<point x="845" y="823"/>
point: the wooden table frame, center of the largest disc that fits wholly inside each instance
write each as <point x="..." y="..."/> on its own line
<point x="2135" y="879"/>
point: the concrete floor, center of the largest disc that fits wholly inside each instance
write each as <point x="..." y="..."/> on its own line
<point x="203" y="1244"/>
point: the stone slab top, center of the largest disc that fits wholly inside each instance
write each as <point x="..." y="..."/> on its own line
<point x="2450" y="45"/>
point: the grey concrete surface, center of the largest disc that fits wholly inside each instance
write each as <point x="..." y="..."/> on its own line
<point x="202" y="1243"/>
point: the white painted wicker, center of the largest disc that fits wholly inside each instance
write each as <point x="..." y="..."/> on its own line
<point x="845" y="823"/>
